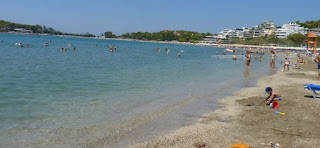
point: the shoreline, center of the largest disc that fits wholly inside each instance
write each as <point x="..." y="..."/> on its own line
<point x="237" y="46"/>
<point x="243" y="117"/>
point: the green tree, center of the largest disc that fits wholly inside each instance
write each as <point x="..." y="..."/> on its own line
<point x="109" y="34"/>
<point x="297" y="38"/>
<point x="227" y="37"/>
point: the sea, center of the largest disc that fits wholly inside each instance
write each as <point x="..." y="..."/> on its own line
<point x="92" y="97"/>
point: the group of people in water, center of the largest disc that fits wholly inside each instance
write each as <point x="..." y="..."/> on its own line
<point x="167" y="51"/>
<point x="21" y="45"/>
<point x="258" y="54"/>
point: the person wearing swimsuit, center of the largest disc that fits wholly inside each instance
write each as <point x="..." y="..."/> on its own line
<point x="272" y="59"/>
<point x="286" y="64"/>
<point x="317" y="60"/>
<point x="247" y="58"/>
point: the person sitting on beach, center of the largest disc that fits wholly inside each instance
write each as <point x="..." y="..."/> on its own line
<point x="286" y="64"/>
<point x="300" y="60"/>
<point x="295" y="66"/>
<point x="273" y="96"/>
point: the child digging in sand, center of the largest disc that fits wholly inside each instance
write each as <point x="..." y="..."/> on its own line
<point x="273" y="96"/>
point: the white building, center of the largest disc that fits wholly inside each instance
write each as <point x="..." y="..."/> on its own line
<point x="230" y="33"/>
<point x="264" y="29"/>
<point x="210" y="40"/>
<point x="315" y="31"/>
<point x="288" y="29"/>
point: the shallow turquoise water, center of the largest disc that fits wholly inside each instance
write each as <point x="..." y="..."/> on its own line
<point x="48" y="97"/>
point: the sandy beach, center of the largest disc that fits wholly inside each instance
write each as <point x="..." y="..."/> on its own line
<point x="244" y="117"/>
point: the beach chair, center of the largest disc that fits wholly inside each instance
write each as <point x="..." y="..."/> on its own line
<point x="312" y="88"/>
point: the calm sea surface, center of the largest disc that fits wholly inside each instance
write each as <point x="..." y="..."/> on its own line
<point x="92" y="97"/>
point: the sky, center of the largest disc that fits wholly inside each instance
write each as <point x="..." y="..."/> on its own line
<point x="122" y="16"/>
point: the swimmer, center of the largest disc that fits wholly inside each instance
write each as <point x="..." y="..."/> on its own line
<point x="74" y="49"/>
<point x="62" y="49"/>
<point x="235" y="56"/>
<point x="178" y="55"/>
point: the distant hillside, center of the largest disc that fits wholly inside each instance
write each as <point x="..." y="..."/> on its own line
<point x="310" y="24"/>
<point x="6" y="26"/>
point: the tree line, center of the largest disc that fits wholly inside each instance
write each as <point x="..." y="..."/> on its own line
<point x="6" y="26"/>
<point x="165" y="35"/>
<point x="296" y="39"/>
<point x="309" y="24"/>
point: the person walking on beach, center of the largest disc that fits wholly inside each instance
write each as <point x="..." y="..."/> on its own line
<point x="272" y="59"/>
<point x="317" y="60"/>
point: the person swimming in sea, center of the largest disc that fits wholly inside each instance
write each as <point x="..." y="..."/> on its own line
<point x="234" y="56"/>
<point x="178" y="55"/>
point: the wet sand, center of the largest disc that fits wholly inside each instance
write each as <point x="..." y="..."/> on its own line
<point x="244" y="117"/>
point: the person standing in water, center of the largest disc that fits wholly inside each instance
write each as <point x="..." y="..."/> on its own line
<point x="286" y="64"/>
<point x="272" y="59"/>
<point x="260" y="57"/>
<point x="235" y="56"/>
<point x="247" y="58"/>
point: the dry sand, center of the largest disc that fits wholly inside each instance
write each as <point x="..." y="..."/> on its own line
<point x="244" y="117"/>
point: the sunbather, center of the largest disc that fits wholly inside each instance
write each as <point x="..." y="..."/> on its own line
<point x="273" y="96"/>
